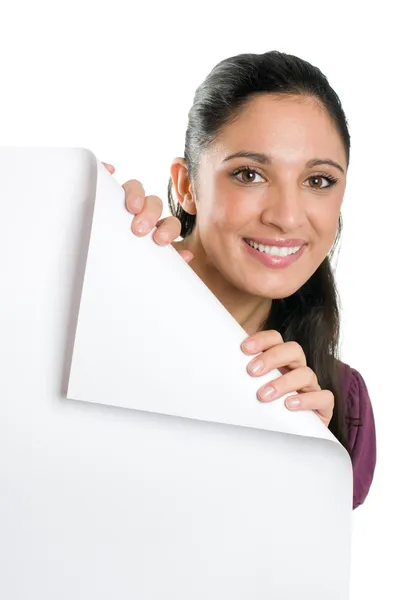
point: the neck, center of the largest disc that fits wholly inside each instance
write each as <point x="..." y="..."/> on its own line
<point x="249" y="311"/>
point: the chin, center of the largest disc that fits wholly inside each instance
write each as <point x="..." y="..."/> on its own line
<point x="272" y="292"/>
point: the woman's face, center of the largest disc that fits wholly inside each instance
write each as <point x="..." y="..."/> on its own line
<point x="278" y="198"/>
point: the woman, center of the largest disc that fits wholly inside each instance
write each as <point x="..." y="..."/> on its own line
<point x="259" y="194"/>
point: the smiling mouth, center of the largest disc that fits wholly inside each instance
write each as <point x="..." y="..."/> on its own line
<point x="280" y="251"/>
<point x="274" y="257"/>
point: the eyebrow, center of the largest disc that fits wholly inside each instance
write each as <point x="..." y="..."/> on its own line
<point x="265" y="159"/>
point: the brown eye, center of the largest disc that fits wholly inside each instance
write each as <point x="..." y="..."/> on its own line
<point x="318" y="182"/>
<point x="246" y="175"/>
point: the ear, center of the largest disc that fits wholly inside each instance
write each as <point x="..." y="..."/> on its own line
<point x="182" y="185"/>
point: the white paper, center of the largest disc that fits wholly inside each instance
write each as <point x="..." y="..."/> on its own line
<point x="102" y="502"/>
<point x="163" y="341"/>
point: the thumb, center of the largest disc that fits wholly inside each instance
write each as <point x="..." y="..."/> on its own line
<point x="109" y="168"/>
<point x="187" y="255"/>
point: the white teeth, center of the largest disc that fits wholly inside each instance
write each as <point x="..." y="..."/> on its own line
<point x="274" y="250"/>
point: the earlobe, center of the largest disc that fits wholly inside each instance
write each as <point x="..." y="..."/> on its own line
<point x="188" y="204"/>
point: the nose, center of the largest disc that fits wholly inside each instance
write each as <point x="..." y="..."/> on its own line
<point x="283" y="209"/>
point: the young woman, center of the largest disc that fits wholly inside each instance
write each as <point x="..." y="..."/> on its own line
<point x="259" y="193"/>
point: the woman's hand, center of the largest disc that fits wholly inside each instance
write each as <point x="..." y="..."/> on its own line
<point x="290" y="359"/>
<point x="147" y="211"/>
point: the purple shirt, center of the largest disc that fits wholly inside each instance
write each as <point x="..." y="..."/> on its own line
<point x="362" y="434"/>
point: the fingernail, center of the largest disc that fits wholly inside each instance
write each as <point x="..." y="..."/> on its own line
<point x="249" y="345"/>
<point x="292" y="402"/>
<point x="267" y="393"/>
<point x="141" y="227"/>
<point x="256" y="366"/>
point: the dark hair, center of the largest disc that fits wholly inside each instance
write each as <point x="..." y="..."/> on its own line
<point x="310" y="316"/>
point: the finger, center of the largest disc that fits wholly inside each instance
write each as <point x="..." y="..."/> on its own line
<point x="167" y="231"/>
<point x="288" y="355"/>
<point x="109" y="168"/>
<point x="321" y="402"/>
<point x="134" y="195"/>
<point x="302" y="379"/>
<point x="147" y="218"/>
<point x="262" y="340"/>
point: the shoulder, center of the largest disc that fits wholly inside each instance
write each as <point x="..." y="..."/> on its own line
<point x="361" y="430"/>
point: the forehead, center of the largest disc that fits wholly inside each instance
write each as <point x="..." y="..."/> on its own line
<point x="291" y="129"/>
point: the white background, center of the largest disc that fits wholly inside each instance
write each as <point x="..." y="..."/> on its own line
<point x="119" y="78"/>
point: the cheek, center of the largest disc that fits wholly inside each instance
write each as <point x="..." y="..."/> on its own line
<point x="225" y="213"/>
<point x="326" y="230"/>
<point x="325" y="218"/>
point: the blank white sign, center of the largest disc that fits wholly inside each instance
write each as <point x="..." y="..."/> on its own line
<point x="201" y="493"/>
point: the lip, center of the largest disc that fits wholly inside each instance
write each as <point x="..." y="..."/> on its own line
<point x="280" y="242"/>
<point x="274" y="262"/>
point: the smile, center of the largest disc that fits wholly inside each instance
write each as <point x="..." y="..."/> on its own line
<point x="274" y="250"/>
<point x="274" y="257"/>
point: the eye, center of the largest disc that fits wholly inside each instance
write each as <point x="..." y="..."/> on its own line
<point x="318" y="178"/>
<point x="247" y="170"/>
